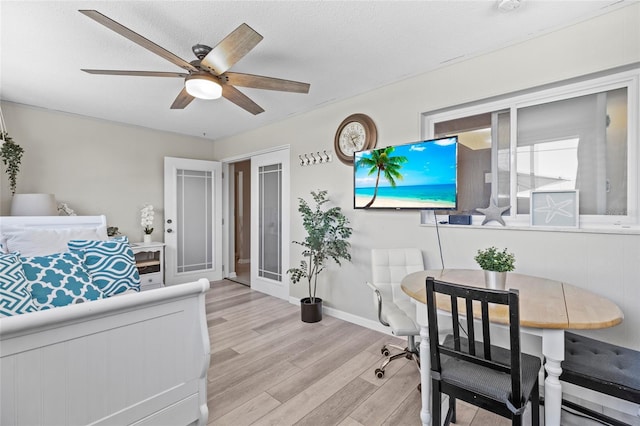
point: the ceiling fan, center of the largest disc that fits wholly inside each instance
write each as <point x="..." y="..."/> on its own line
<point x="207" y="77"/>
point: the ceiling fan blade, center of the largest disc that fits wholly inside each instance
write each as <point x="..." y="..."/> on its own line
<point x="240" y="99"/>
<point x="182" y="100"/>
<point x="137" y="73"/>
<point x="137" y="38"/>
<point x="266" y="83"/>
<point x="231" y="49"/>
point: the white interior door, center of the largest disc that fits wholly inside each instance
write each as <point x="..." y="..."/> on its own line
<point x="270" y="223"/>
<point x="193" y="220"/>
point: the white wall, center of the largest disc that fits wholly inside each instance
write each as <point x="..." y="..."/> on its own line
<point x="102" y="167"/>
<point x="95" y="166"/>
<point x="606" y="264"/>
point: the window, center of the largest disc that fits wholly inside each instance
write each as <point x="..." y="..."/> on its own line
<point x="581" y="136"/>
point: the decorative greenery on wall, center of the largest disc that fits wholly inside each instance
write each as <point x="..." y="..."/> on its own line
<point x="11" y="154"/>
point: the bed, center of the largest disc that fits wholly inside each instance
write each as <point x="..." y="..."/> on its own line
<point x="132" y="359"/>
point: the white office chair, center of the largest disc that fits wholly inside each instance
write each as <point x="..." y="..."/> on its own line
<point x="395" y="308"/>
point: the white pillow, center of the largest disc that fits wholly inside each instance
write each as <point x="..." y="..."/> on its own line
<point x="42" y="242"/>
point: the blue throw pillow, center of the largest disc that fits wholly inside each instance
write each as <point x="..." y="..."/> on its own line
<point x="14" y="296"/>
<point x="59" y="279"/>
<point x="111" y="263"/>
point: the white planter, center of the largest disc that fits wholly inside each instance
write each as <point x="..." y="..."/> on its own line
<point x="146" y="238"/>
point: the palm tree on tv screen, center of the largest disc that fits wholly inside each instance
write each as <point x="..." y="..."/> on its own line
<point x="382" y="162"/>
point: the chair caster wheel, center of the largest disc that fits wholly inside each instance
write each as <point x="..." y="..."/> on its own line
<point x="384" y="351"/>
<point x="379" y="373"/>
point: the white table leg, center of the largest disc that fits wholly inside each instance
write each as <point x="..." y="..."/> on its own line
<point x="425" y="363"/>
<point x="425" y="375"/>
<point x="553" y="350"/>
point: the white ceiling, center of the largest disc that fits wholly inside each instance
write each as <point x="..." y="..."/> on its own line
<point x="341" y="48"/>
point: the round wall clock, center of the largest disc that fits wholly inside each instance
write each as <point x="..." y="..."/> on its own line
<point x="356" y="133"/>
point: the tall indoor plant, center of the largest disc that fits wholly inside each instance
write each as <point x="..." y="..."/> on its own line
<point x="327" y="237"/>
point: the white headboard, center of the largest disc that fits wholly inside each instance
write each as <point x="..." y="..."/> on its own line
<point x="53" y="221"/>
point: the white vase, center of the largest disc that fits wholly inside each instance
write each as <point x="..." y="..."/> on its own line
<point x="147" y="238"/>
<point x="495" y="280"/>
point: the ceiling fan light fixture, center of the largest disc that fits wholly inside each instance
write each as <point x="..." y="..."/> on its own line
<point x="203" y="86"/>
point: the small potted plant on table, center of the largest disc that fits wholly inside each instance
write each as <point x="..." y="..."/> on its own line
<point x="146" y="220"/>
<point x="495" y="264"/>
<point x="327" y="238"/>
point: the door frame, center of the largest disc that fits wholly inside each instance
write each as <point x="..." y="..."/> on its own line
<point x="227" y="198"/>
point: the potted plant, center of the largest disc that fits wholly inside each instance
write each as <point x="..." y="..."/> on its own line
<point x="11" y="154"/>
<point x="327" y="237"/>
<point x="495" y="264"/>
<point x="146" y="220"/>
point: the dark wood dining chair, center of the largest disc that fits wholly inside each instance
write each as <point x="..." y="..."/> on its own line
<point x="500" y="380"/>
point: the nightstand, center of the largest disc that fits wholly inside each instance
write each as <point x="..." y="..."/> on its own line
<point x="150" y="264"/>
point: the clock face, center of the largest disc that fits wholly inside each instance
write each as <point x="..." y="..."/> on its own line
<point x="356" y="133"/>
<point x="352" y="138"/>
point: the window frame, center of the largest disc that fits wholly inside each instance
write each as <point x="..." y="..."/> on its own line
<point x="512" y="102"/>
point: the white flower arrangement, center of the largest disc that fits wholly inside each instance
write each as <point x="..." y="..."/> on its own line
<point x="146" y="215"/>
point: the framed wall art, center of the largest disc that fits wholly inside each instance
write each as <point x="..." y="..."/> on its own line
<point x="555" y="208"/>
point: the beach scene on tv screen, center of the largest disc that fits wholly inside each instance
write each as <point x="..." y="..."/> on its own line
<point x="417" y="175"/>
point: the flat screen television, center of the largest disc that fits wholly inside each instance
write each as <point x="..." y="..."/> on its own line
<point x="419" y="175"/>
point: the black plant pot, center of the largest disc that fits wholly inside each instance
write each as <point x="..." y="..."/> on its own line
<point x="311" y="311"/>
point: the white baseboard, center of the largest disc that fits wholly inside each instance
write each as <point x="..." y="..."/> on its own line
<point x="345" y="316"/>
<point x="354" y="319"/>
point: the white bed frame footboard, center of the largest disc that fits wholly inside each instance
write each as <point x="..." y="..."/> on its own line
<point x="133" y="359"/>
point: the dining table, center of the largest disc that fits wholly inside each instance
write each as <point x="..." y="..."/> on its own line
<point x="547" y="308"/>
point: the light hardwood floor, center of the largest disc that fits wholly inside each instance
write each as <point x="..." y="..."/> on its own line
<point x="270" y="368"/>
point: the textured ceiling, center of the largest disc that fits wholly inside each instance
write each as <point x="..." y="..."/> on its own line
<point x="340" y="48"/>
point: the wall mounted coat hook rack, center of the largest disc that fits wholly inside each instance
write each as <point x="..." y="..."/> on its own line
<point x="313" y="158"/>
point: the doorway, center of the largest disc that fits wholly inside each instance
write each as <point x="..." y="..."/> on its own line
<point x="242" y="222"/>
<point x="257" y="200"/>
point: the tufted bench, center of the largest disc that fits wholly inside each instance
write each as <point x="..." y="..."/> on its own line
<point x="602" y="367"/>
